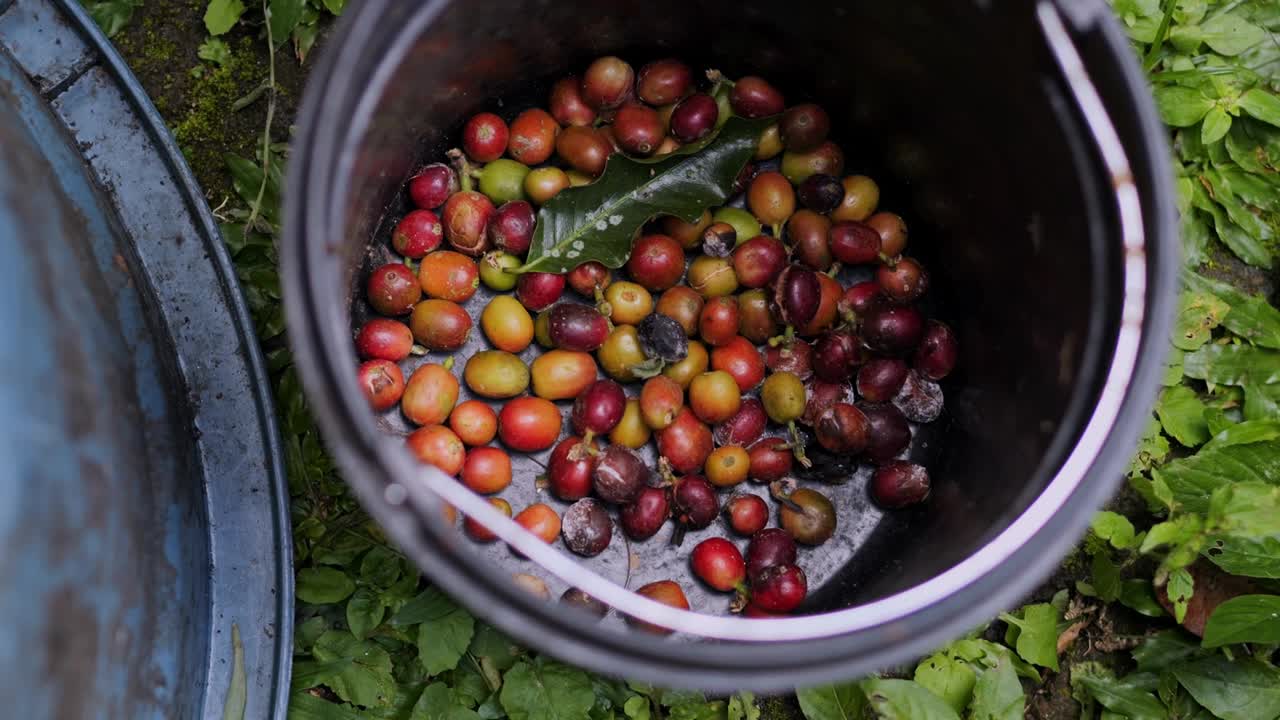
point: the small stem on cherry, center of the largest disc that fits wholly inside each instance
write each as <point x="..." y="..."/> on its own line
<point x="462" y="167"/>
<point x="797" y="445"/>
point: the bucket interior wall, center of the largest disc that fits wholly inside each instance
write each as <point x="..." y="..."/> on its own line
<point x="944" y="104"/>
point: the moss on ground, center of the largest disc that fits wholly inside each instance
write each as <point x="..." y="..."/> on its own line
<point x="196" y="97"/>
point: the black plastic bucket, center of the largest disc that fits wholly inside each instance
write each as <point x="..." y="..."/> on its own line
<point x="1019" y="141"/>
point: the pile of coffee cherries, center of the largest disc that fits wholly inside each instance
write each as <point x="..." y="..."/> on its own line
<point x="739" y="342"/>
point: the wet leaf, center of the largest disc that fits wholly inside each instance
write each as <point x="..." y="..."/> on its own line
<point x="222" y="15"/>
<point x="833" y="702"/>
<point x="948" y="678"/>
<point x="323" y="585"/>
<point x="599" y="221"/>
<point x="1181" y="413"/>
<point x="1244" y="689"/>
<point x="546" y="690"/>
<point x="905" y="700"/>
<point x="1233" y="364"/>
<point x="1244" y="619"/>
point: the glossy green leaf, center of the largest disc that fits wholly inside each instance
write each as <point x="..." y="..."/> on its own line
<point x="1251" y="316"/>
<point x="112" y="15"/>
<point x="1233" y="364"/>
<point x="1114" y="528"/>
<point x="367" y="679"/>
<point x="1254" y="145"/>
<point x="439" y="702"/>
<point x="1138" y="595"/>
<point x="1243" y="689"/>
<point x="546" y="690"/>
<point x="443" y="639"/>
<point x="1182" y="106"/>
<point x="1250" y="557"/>
<point x="1216" y="124"/>
<point x="1244" y="433"/>
<point x="1262" y="105"/>
<point x="1244" y="619"/>
<point x="1165" y="648"/>
<point x="948" y="678"/>
<point x="1181" y="413"/>
<point x="335" y="6"/>
<point x="905" y="700"/>
<point x="1037" y="637"/>
<point x="1261" y="401"/>
<point x="1105" y="576"/>
<point x="742" y="706"/>
<point x="599" y="221"/>
<point x="998" y="695"/>
<point x="1198" y="314"/>
<point x="285" y="15"/>
<point x="1231" y="33"/>
<point x="832" y="702"/>
<point x="323" y="585"/>
<point x="305" y="706"/>
<point x="222" y="15"/>
<point x="1244" y="245"/>
<point x="1122" y="697"/>
<point x="364" y="612"/>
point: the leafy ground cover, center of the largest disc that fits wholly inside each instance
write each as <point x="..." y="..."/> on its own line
<point x="1170" y="608"/>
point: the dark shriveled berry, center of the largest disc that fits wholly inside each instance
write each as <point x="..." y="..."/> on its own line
<point x="586" y="528"/>
<point x="821" y="193"/>
<point x="920" y="399"/>
<point x="662" y="338"/>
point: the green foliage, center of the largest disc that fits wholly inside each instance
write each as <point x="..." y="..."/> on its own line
<point x="1034" y="633"/>
<point x="598" y="221"/>
<point x="1245" y="619"/>
<point x="111" y="15"/>
<point x="833" y="702"/>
